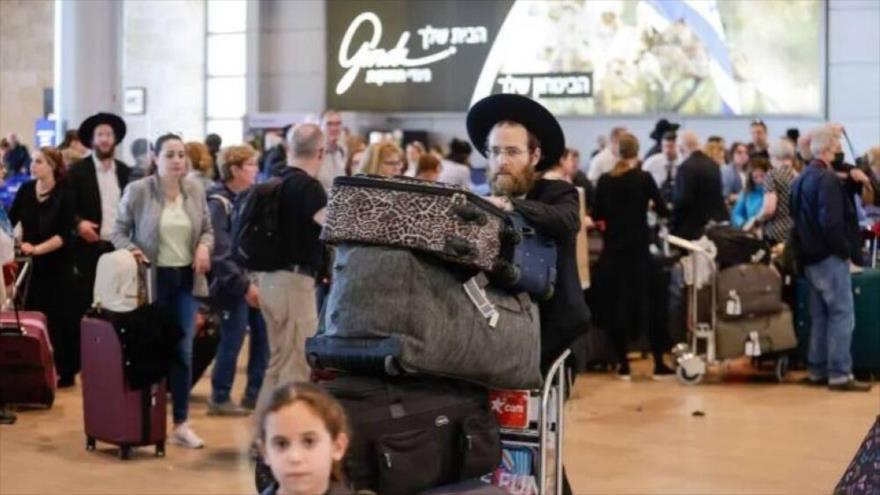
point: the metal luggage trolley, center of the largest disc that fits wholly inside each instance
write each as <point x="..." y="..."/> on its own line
<point x="545" y="432"/>
<point x="693" y="358"/>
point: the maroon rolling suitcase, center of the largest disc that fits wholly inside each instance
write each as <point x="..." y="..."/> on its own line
<point x="113" y="411"/>
<point x="27" y="368"/>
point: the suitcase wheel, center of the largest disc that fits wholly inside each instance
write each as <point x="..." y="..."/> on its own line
<point x="508" y="273"/>
<point x="125" y="452"/>
<point x="160" y="449"/>
<point x="90" y="444"/>
<point x="470" y="213"/>
<point x="548" y="294"/>
<point x="512" y="236"/>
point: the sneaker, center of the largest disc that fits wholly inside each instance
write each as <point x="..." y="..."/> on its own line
<point x="851" y="385"/>
<point x="249" y="403"/>
<point x="184" y="436"/>
<point x="662" y="372"/>
<point x="226" y="408"/>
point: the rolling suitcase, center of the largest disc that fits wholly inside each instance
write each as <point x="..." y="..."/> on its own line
<point x="440" y="219"/>
<point x="772" y="334"/>
<point x="27" y="368"/>
<point x="27" y="365"/>
<point x="205" y="342"/>
<point x="748" y="290"/>
<point x="865" y="346"/>
<point x="862" y="476"/>
<point x="113" y="411"/>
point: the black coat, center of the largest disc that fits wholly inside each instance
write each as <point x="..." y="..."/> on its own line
<point x="552" y="207"/>
<point x="697" y="197"/>
<point x="82" y="182"/>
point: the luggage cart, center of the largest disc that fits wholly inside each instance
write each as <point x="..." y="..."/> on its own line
<point x="693" y="358"/>
<point x="545" y="432"/>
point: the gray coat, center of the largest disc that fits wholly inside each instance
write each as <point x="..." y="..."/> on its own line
<point x="137" y="223"/>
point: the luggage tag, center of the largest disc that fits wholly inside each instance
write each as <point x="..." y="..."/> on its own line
<point x="477" y="295"/>
<point x="753" y="346"/>
<point x="734" y="304"/>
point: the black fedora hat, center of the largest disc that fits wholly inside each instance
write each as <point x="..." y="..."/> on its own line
<point x="662" y="127"/>
<point x="484" y="114"/>
<point x="87" y="128"/>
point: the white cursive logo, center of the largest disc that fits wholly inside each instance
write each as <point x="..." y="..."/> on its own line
<point x="369" y="55"/>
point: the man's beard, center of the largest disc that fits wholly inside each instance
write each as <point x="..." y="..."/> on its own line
<point x="512" y="185"/>
<point x="105" y="155"/>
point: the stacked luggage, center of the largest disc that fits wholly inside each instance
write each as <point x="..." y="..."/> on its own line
<point x="431" y="306"/>
<point x="735" y="305"/>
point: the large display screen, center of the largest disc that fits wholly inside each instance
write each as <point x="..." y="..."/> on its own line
<point x="579" y="57"/>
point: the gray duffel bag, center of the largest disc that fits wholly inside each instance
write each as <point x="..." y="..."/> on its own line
<point x="410" y="313"/>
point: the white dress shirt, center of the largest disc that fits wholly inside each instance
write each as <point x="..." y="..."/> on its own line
<point x="656" y="166"/>
<point x="333" y="167"/>
<point x="455" y="173"/>
<point x="108" y="185"/>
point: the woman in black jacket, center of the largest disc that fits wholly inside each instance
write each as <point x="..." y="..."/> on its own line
<point x="624" y="268"/>
<point x="45" y="211"/>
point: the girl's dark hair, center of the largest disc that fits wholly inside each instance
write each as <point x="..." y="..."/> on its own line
<point x="69" y="138"/>
<point x="165" y="137"/>
<point x="756" y="163"/>
<point x="734" y="146"/>
<point x="319" y="401"/>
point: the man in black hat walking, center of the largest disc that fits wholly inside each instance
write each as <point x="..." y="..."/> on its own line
<point x="96" y="183"/>
<point x="662" y="127"/>
<point x="522" y="141"/>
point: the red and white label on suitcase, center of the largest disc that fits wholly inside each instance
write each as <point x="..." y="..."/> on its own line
<point x="519" y="409"/>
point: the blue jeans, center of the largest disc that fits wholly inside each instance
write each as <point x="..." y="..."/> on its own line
<point x="833" y="320"/>
<point x="174" y="293"/>
<point x="232" y="329"/>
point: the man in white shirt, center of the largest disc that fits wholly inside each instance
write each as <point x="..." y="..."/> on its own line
<point x="663" y="166"/>
<point x="95" y="184"/>
<point x="605" y="160"/>
<point x="335" y="152"/>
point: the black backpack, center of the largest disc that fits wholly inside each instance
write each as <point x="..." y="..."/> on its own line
<point x="256" y="232"/>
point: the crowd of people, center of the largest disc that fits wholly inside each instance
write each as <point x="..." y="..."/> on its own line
<point x="173" y="207"/>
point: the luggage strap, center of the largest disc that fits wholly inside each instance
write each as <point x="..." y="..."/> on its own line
<point x="476" y="293"/>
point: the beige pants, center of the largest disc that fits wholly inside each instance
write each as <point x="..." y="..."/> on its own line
<point x="287" y="301"/>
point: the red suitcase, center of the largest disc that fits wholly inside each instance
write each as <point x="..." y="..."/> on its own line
<point x="114" y="412"/>
<point x="27" y="368"/>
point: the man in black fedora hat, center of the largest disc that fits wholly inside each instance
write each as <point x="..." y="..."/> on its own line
<point x="96" y="183"/>
<point x="660" y="129"/>
<point x="522" y="141"/>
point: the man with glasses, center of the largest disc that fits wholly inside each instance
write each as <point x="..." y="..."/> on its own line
<point x="287" y="295"/>
<point x="523" y="142"/>
<point x="335" y="153"/>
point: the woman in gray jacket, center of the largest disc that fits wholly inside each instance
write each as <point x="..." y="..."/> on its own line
<point x="164" y="219"/>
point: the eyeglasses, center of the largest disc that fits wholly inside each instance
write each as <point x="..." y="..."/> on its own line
<point x="396" y="163"/>
<point x="510" y="151"/>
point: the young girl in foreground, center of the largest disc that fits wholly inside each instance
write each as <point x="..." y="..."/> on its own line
<point x="303" y="436"/>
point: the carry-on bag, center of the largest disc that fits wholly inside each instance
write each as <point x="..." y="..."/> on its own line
<point x="412" y="434"/>
<point x="113" y="410"/>
<point x="755" y="336"/>
<point x="749" y="290"/>
<point x="392" y="309"/>
<point x="440" y="219"/>
<point x="27" y="366"/>
<point x="532" y="266"/>
<point x="737" y="246"/>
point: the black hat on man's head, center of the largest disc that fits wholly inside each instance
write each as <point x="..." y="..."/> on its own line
<point x="87" y="129"/>
<point x="491" y="110"/>
<point x="662" y="127"/>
